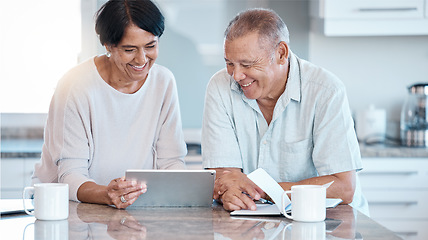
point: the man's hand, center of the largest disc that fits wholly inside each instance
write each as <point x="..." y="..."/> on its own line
<point x="235" y="190"/>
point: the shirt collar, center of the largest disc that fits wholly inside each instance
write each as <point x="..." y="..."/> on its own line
<point x="293" y="87"/>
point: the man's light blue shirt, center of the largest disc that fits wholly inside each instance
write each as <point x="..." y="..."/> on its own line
<point x="311" y="133"/>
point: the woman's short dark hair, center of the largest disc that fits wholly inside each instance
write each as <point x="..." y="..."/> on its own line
<point x="115" y="15"/>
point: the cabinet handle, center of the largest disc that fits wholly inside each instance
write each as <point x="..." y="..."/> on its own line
<point x="403" y="9"/>
<point x="407" y="234"/>
<point x="406" y="203"/>
<point x="389" y="173"/>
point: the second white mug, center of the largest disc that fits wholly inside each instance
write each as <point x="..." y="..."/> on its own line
<point x="307" y="203"/>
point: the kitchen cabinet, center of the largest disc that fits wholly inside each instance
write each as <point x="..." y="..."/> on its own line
<point x="15" y="175"/>
<point x="397" y="189"/>
<point x="369" y="17"/>
<point x="193" y="162"/>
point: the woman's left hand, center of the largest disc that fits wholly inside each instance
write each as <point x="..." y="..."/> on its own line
<point x="123" y="193"/>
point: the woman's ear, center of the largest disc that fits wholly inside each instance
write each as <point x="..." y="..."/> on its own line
<point x="283" y="52"/>
<point x="107" y="47"/>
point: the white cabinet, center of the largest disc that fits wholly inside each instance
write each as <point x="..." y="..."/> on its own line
<point x="193" y="162"/>
<point x="397" y="192"/>
<point x="15" y="175"/>
<point x="369" y="17"/>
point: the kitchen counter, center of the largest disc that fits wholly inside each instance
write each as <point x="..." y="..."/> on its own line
<point x="21" y="148"/>
<point x="31" y="148"/>
<point x="93" y="221"/>
<point x="392" y="151"/>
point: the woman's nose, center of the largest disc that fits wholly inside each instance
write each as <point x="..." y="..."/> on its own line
<point x="141" y="57"/>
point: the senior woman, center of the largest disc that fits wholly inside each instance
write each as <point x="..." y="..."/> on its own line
<point x="114" y="112"/>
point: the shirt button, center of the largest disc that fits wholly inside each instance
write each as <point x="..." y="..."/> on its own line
<point x="265" y="142"/>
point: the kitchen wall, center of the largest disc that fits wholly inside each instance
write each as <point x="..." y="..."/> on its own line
<point x="375" y="70"/>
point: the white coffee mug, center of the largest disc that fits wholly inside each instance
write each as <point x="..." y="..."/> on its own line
<point x="51" y="230"/>
<point x="307" y="230"/>
<point x="307" y="203"/>
<point x="50" y="201"/>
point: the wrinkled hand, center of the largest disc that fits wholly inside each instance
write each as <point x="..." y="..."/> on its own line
<point x="122" y="225"/>
<point x="238" y="228"/>
<point x="236" y="191"/>
<point x="130" y="190"/>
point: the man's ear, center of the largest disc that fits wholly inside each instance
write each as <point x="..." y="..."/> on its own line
<point x="283" y="52"/>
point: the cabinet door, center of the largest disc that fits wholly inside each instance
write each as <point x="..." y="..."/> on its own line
<point x="12" y="176"/>
<point x="407" y="229"/>
<point x="193" y="162"/>
<point x="394" y="173"/>
<point x="426" y="9"/>
<point x="377" y="9"/>
<point x="397" y="204"/>
<point x="369" y="18"/>
<point x="29" y="169"/>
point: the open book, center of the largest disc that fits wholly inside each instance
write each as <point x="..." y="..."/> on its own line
<point x="262" y="179"/>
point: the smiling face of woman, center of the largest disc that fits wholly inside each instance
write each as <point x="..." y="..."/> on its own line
<point x="132" y="58"/>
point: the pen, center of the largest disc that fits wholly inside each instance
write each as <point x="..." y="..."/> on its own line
<point x="262" y="200"/>
<point x="265" y="201"/>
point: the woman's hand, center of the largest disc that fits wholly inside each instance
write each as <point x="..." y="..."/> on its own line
<point x="120" y="192"/>
<point x="123" y="193"/>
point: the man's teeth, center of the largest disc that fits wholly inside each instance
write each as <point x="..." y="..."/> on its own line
<point x="248" y="84"/>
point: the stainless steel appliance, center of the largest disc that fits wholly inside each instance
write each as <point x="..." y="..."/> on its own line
<point x="414" y="117"/>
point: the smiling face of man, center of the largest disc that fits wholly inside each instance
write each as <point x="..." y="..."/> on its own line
<point x="257" y="69"/>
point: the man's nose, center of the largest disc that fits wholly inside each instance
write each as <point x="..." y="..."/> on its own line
<point x="238" y="74"/>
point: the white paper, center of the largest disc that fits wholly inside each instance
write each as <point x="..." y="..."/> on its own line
<point x="262" y="179"/>
<point x="272" y="209"/>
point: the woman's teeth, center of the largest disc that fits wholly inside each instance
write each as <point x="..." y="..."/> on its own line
<point x="138" y="67"/>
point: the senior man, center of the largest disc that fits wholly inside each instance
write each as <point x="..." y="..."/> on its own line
<point x="270" y="109"/>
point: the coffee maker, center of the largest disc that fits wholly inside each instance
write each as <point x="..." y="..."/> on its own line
<point x="414" y="117"/>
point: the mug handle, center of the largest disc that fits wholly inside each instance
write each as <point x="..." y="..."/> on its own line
<point x="25" y="229"/>
<point x="284" y="195"/>
<point x="24" y="197"/>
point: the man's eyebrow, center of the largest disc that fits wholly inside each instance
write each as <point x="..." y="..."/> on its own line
<point x="244" y="61"/>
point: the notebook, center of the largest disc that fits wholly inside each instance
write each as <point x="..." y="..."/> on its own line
<point x="174" y="188"/>
<point x="262" y="179"/>
<point x="13" y="206"/>
<point x="273" y="210"/>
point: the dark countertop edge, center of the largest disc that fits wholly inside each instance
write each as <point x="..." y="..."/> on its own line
<point x="26" y="149"/>
<point x="20" y="155"/>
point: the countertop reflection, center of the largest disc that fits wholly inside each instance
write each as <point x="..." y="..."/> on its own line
<point x="93" y="221"/>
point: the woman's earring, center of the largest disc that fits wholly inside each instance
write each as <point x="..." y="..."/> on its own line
<point x="108" y="54"/>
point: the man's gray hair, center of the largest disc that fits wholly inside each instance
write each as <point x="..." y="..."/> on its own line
<point x="265" y="22"/>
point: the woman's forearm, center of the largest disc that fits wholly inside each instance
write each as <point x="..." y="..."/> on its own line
<point x="91" y="192"/>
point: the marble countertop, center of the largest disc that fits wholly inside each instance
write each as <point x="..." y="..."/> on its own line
<point x="104" y="222"/>
<point x="31" y="148"/>
<point x="392" y="151"/>
<point x="21" y="148"/>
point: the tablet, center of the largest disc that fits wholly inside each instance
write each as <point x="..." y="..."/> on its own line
<point x="174" y="188"/>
